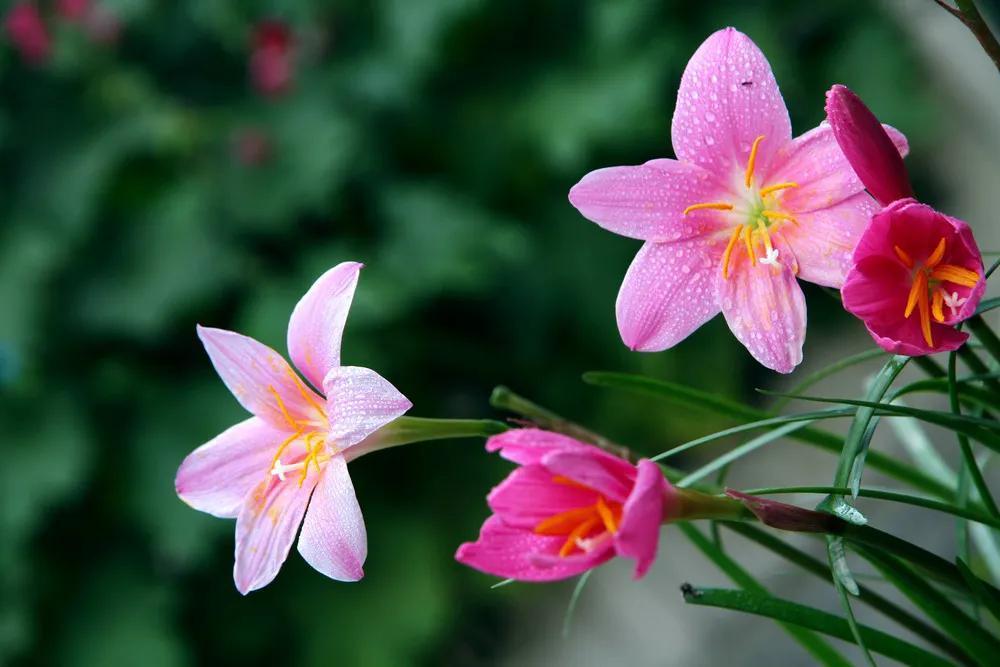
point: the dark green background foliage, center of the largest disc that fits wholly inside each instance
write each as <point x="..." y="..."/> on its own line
<point x="433" y="140"/>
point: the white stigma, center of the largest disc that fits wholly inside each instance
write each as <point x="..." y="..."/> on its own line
<point x="279" y="470"/>
<point x="953" y="302"/>
<point x="771" y="257"/>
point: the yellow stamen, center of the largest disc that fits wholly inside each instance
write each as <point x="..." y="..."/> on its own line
<point x="729" y="250"/>
<point x="936" y="256"/>
<point x="752" y="161"/>
<point x="749" y="244"/>
<point x="306" y="394"/>
<point x="714" y="205"/>
<point x="904" y="256"/>
<point x="607" y="516"/>
<point x="777" y="186"/>
<point x="762" y="228"/>
<point x="284" y="411"/>
<point x="955" y="274"/>
<point x="281" y="449"/>
<point x="919" y="286"/>
<point x="578" y="533"/>
<point x="925" y="315"/>
<point x="562" y="523"/>
<point x="937" y="305"/>
<point x="777" y="215"/>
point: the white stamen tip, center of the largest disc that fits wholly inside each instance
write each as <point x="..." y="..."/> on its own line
<point x="771" y="257"/>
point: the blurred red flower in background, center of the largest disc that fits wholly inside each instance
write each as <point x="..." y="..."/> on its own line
<point x="27" y="31"/>
<point x="271" y="61"/>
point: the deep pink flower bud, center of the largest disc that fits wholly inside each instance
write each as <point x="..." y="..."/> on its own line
<point x="568" y="508"/>
<point x="271" y="62"/>
<point x="867" y="146"/>
<point x="28" y="33"/>
<point x="787" y="517"/>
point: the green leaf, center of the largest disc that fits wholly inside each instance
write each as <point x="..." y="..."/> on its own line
<point x="866" y="595"/>
<point x="987" y="305"/>
<point x="824" y="440"/>
<point x="986" y="596"/>
<point x="722" y="461"/>
<point x="807" y="617"/>
<point x="818" y="648"/>
<point x="982" y="646"/>
<point x="968" y="456"/>
<point x="823" y="373"/>
<point x="573" y="600"/>
<point x="844" y="583"/>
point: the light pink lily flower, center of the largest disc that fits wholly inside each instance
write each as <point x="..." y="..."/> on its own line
<point x="568" y="508"/>
<point x="742" y="212"/>
<point x="916" y="272"/>
<point x="293" y="453"/>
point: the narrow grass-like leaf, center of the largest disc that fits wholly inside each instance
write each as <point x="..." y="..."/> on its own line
<point x="844" y="583"/>
<point x="978" y="326"/>
<point x="968" y="456"/>
<point x="910" y="434"/>
<point x="987" y="305"/>
<point x="892" y="496"/>
<point x="866" y="595"/>
<point x="817" y="647"/>
<point x="573" y="600"/>
<point x="739" y="452"/>
<point x="976" y="641"/>
<point x="822" y="439"/>
<point x="808" y="617"/>
<point x="986" y="597"/>
<point x="827" y="371"/>
<point x="501" y="584"/>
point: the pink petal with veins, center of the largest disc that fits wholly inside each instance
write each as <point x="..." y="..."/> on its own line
<point x="333" y="537"/>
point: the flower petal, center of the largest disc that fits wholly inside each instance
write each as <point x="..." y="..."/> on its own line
<point x="257" y="375"/>
<point x="527" y="446"/>
<point x="647" y="201"/>
<point x="817" y="164"/>
<point x="765" y="310"/>
<point x="217" y="477"/>
<point x="333" y="538"/>
<point x="866" y="146"/>
<point x="727" y="98"/>
<point x="668" y="292"/>
<point x="265" y="529"/>
<point x="639" y="532"/>
<point x="608" y="475"/>
<point x="531" y="494"/>
<point x="359" y="402"/>
<point x="515" y="553"/>
<point x="824" y="240"/>
<point x="317" y="323"/>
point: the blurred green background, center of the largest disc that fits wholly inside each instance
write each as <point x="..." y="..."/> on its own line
<point x="147" y="185"/>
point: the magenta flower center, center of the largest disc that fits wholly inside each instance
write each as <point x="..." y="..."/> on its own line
<point x="584" y="527"/>
<point x="928" y="294"/>
<point x="755" y="216"/>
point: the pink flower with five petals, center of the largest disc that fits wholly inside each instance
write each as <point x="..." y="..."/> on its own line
<point x="287" y="465"/>
<point x="742" y="212"/>
<point x="568" y="508"/>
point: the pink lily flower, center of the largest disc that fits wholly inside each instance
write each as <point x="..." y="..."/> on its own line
<point x="742" y="212"/>
<point x="911" y="259"/>
<point x="293" y="453"/>
<point x="568" y="508"/>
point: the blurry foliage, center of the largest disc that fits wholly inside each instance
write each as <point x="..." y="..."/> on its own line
<point x="433" y="140"/>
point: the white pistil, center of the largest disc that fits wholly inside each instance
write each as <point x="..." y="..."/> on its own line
<point x="280" y="470"/>
<point x="953" y="302"/>
<point x="771" y="257"/>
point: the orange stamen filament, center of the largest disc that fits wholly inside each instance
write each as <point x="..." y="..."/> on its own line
<point x="919" y="286"/>
<point x="777" y="186"/>
<point x="937" y="255"/>
<point x="777" y="215"/>
<point x="729" y="250"/>
<point x="713" y="205"/>
<point x="749" y="245"/>
<point x="904" y="256"/>
<point x="607" y="516"/>
<point x="925" y="316"/>
<point x="284" y="411"/>
<point x="762" y="229"/>
<point x="564" y="522"/>
<point x="578" y="533"/>
<point x="937" y="305"/>
<point x="748" y="179"/>
<point x="955" y="274"/>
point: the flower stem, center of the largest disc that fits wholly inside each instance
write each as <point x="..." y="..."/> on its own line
<point x="505" y="399"/>
<point x="406" y="430"/>
<point x="974" y="21"/>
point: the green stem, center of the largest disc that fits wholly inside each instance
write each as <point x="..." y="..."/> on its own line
<point x="976" y="365"/>
<point x="985" y="334"/>
<point x="963" y="442"/>
<point x="974" y="21"/>
<point x="406" y="430"/>
<point x="505" y="399"/>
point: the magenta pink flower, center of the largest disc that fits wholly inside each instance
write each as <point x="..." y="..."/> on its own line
<point x="568" y="508"/>
<point x="744" y="211"/>
<point x="915" y="272"/>
<point x="263" y="471"/>
<point x="271" y="62"/>
<point x="28" y="33"/>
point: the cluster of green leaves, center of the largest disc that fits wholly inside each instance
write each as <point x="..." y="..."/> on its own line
<point x="433" y="140"/>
